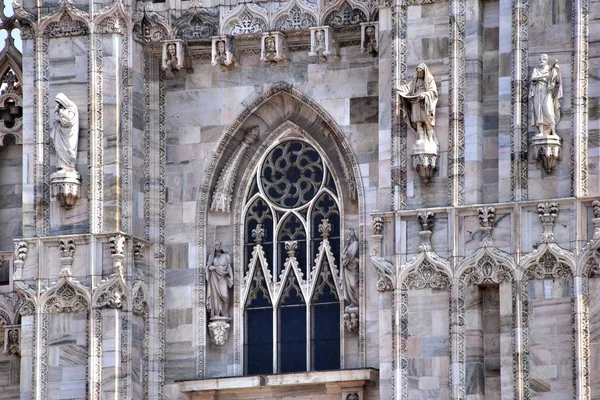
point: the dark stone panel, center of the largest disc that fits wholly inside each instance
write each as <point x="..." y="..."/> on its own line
<point x="364" y="110"/>
<point x="475" y="378"/>
<point x="435" y="346"/>
<point x="177" y="256"/>
<point x="490" y="39"/>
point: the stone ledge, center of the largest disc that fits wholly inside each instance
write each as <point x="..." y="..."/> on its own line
<point x="342" y="378"/>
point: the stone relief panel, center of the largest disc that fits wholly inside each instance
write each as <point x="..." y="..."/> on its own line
<point x="196" y="23"/>
<point x="223" y="53"/>
<point x="149" y="25"/>
<point x="295" y="16"/>
<point x="244" y="19"/>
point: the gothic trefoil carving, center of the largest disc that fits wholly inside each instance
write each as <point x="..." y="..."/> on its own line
<point x="66" y="295"/>
<point x="488" y="265"/>
<point x="196" y="23"/>
<point x="427" y="269"/>
<point x="148" y="25"/>
<point x="112" y="19"/>
<point x="221" y="198"/>
<point x="245" y="19"/>
<point x="66" y="21"/>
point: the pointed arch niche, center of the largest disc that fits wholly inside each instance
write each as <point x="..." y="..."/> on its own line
<point x="286" y="273"/>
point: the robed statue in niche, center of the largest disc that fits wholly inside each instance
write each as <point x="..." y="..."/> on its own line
<point x="545" y="96"/>
<point x="65" y="132"/>
<point x="219" y="278"/>
<point x="418" y="100"/>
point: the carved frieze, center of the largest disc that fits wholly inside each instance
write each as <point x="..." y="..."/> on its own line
<point x="247" y="18"/>
<point x="66" y="21"/>
<point x="112" y="19"/>
<point x="298" y="17"/>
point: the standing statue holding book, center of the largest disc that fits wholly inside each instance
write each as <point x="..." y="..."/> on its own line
<point x="418" y="99"/>
<point x="545" y="95"/>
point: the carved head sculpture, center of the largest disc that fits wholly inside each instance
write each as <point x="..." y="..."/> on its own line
<point x="370" y="32"/>
<point x="320" y="38"/>
<point x="270" y="44"/>
<point x="350" y="236"/>
<point x="218" y="247"/>
<point x="171" y="51"/>
<point x="221" y="48"/>
<point x="543" y="60"/>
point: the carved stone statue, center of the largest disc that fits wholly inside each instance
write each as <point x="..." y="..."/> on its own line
<point x="369" y="39"/>
<point x="545" y="95"/>
<point x="418" y="99"/>
<point x="172" y="57"/>
<point x="222" y="52"/>
<point x="274" y="48"/>
<point x="65" y="133"/>
<point x="219" y="278"/>
<point x="349" y="271"/>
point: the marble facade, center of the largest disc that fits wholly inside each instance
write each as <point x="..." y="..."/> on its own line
<point x="481" y="282"/>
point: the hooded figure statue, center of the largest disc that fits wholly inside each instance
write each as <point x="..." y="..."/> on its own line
<point x="65" y="133"/>
<point x="418" y="99"/>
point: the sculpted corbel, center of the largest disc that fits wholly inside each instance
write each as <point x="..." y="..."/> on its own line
<point x="323" y="43"/>
<point x="222" y="52"/>
<point x="273" y="48"/>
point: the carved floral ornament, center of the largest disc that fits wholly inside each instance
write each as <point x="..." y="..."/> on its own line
<point x="66" y="295"/>
<point x="66" y="21"/>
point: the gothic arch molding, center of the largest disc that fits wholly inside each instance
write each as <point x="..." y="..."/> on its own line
<point x="268" y="111"/>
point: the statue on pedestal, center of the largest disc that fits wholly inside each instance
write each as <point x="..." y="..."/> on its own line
<point x="65" y="132"/>
<point x="66" y="181"/>
<point x="545" y="96"/>
<point x="417" y="102"/>
<point x="219" y="278"/>
<point x="349" y="272"/>
<point x="418" y="99"/>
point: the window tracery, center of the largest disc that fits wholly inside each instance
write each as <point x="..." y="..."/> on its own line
<point x="293" y="306"/>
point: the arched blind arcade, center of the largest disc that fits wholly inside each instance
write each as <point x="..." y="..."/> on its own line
<point x="292" y="244"/>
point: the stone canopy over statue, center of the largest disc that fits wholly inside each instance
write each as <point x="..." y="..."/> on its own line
<point x="65" y="182"/>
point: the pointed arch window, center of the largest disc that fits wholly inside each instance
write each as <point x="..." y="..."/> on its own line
<point x="291" y="290"/>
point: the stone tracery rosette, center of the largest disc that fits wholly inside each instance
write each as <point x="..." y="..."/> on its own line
<point x="295" y="16"/>
<point x="113" y="18"/>
<point x="196" y="23"/>
<point x="66" y="295"/>
<point x="244" y="19"/>
<point x="65" y="21"/>
<point x="149" y="25"/>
